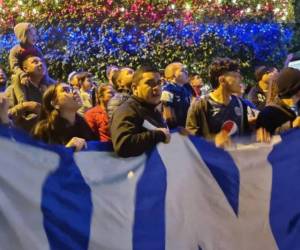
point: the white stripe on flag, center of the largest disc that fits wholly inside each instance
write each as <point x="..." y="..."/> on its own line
<point x="255" y="195"/>
<point x="113" y="185"/>
<point x="20" y="206"/>
<point x="197" y="212"/>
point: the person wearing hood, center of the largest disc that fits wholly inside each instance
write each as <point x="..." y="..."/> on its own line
<point x="27" y="36"/>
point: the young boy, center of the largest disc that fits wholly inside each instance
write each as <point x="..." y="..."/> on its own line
<point x="86" y="91"/>
<point x="176" y="95"/>
<point x="26" y="34"/>
<point x="122" y="80"/>
<point x="220" y="114"/>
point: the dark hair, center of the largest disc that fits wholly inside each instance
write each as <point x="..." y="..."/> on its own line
<point x="50" y="126"/>
<point x="138" y="74"/>
<point x="23" y="59"/>
<point x="219" y="67"/>
<point x="261" y="71"/>
<point x="194" y="75"/>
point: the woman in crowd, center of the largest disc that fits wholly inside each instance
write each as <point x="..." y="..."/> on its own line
<point x="278" y="116"/>
<point x="59" y="122"/>
<point x="97" y="117"/>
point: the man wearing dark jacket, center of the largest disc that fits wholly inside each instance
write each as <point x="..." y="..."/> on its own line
<point x="137" y="126"/>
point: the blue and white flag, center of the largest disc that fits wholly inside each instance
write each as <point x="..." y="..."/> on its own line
<point x="186" y="195"/>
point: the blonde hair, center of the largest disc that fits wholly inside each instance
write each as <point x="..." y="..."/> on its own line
<point x="170" y="70"/>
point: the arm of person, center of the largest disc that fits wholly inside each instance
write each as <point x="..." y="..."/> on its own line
<point x="19" y="110"/>
<point x="264" y="127"/>
<point x="168" y="110"/>
<point x="127" y="136"/>
<point x="169" y="115"/>
<point x="196" y="122"/>
<point x="4" y="119"/>
<point x="18" y="89"/>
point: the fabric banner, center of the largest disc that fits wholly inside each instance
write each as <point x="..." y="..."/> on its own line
<point x="186" y="195"/>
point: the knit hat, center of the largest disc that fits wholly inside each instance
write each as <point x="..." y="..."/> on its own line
<point x="288" y="82"/>
<point x="20" y="31"/>
<point x="260" y="71"/>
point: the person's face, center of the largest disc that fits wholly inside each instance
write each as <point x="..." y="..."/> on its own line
<point x="31" y="36"/>
<point x="149" y="88"/>
<point x="125" y="78"/>
<point x="108" y="94"/>
<point x="67" y="98"/>
<point x="87" y="84"/>
<point x="233" y="82"/>
<point x="196" y="82"/>
<point x="269" y="77"/>
<point x="74" y="82"/>
<point x="181" y="75"/>
<point x="2" y="77"/>
<point x="35" y="66"/>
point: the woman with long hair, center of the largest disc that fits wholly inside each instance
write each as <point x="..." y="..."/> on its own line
<point x="59" y="122"/>
<point x="278" y="115"/>
<point x="97" y="117"/>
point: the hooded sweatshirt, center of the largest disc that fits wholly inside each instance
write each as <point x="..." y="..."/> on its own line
<point x="20" y="51"/>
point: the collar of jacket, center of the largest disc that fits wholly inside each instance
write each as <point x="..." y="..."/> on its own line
<point x="143" y="103"/>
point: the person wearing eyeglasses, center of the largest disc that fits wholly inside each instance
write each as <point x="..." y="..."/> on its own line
<point x="59" y="122"/>
<point x="137" y="125"/>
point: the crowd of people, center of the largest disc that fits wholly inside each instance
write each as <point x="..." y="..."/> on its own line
<point x="136" y="108"/>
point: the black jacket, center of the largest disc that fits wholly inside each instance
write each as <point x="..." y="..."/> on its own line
<point x="128" y="132"/>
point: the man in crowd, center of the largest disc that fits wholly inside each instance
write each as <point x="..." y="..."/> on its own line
<point x="137" y="126"/>
<point x="258" y="94"/>
<point x="27" y="110"/>
<point x="176" y="95"/>
<point x="221" y="114"/>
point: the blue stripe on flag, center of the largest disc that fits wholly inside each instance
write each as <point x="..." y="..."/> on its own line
<point x="67" y="206"/>
<point x="223" y="168"/>
<point x="285" y="202"/>
<point x="149" y="224"/>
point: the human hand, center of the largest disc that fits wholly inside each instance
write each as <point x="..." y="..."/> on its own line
<point x="25" y="81"/>
<point x="222" y="139"/>
<point x="262" y="135"/>
<point x="167" y="134"/>
<point x="296" y="122"/>
<point x="78" y="143"/>
<point x="32" y="106"/>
